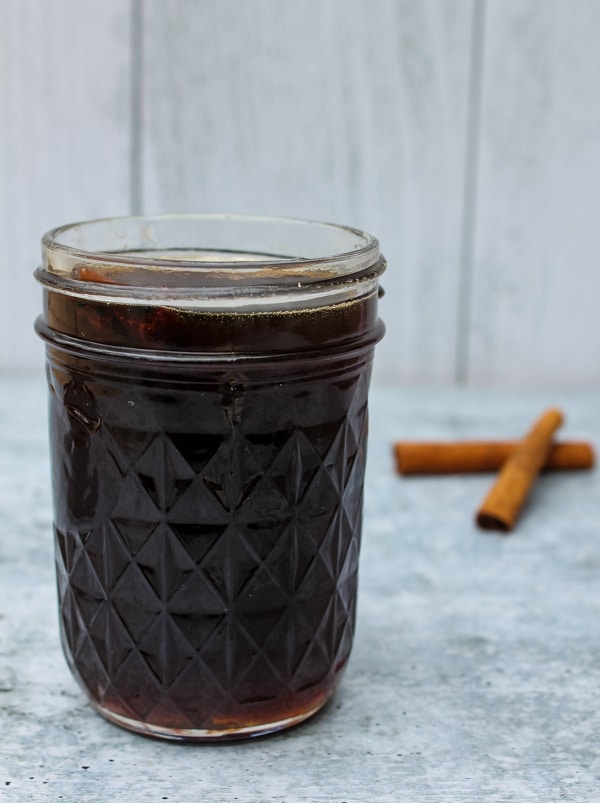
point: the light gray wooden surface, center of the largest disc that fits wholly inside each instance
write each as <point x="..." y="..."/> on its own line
<point x="535" y="310"/>
<point x="465" y="135"/>
<point x="476" y="663"/>
<point x="65" y="96"/>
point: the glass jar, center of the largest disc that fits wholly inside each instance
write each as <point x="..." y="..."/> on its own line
<point x="208" y="380"/>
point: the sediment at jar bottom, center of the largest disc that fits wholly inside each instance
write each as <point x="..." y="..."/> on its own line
<point x="233" y="724"/>
<point x="207" y="535"/>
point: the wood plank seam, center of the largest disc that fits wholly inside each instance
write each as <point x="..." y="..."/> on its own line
<point x="137" y="109"/>
<point x="471" y="168"/>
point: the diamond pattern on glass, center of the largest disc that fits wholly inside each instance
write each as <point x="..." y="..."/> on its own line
<point x="213" y="581"/>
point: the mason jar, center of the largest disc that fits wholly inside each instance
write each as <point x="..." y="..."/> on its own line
<point x="208" y="379"/>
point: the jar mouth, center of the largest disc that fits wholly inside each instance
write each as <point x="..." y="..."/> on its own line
<point x="211" y="262"/>
<point x="201" y="250"/>
<point x="184" y="281"/>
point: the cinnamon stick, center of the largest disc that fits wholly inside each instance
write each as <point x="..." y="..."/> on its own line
<point x="503" y="503"/>
<point x="466" y="457"/>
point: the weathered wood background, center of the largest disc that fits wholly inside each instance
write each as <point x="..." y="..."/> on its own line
<point x="464" y="134"/>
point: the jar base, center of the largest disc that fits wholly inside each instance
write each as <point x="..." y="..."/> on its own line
<point x="205" y="735"/>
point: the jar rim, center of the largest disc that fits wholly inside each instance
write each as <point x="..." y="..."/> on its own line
<point x="210" y="261"/>
<point x="153" y="244"/>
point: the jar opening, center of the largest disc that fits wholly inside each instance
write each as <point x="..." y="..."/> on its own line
<point x="194" y="250"/>
<point x="211" y="262"/>
<point x="210" y="285"/>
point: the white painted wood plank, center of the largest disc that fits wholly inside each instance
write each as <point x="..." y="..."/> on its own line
<point x="64" y="141"/>
<point x="536" y="282"/>
<point x="343" y="110"/>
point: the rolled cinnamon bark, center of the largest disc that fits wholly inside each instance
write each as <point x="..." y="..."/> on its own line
<point x="469" y="457"/>
<point x="504" y="502"/>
